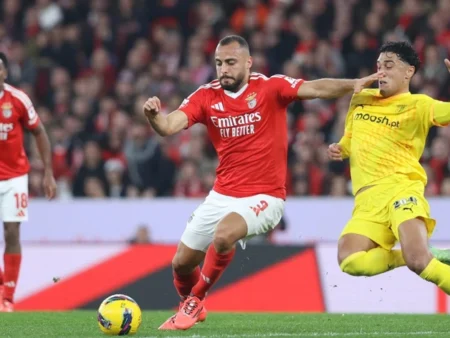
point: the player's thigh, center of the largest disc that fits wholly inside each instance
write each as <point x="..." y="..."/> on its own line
<point x="14" y="200"/>
<point x="369" y="225"/>
<point x="408" y="205"/>
<point x="262" y="213"/>
<point x="200" y="228"/>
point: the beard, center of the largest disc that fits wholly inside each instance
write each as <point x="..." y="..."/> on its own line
<point x="233" y="86"/>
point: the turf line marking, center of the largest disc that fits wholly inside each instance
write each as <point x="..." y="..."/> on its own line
<point x="317" y="334"/>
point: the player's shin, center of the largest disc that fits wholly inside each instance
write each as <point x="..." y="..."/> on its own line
<point x="414" y="241"/>
<point x="12" y="260"/>
<point x="372" y="262"/>
<point x="214" y="266"/>
<point x="185" y="282"/>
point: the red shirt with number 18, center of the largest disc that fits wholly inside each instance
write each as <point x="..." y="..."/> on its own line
<point x="16" y="112"/>
<point x="249" y="132"/>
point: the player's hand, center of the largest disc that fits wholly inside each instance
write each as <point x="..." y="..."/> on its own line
<point x="367" y="81"/>
<point x="335" y="152"/>
<point x="49" y="184"/>
<point x="152" y="107"/>
<point x="447" y="64"/>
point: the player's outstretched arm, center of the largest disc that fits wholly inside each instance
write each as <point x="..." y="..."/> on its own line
<point x="439" y="110"/>
<point x="45" y="151"/>
<point x="164" y="125"/>
<point x="333" y="88"/>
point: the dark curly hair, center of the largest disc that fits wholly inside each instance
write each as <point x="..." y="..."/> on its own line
<point x="404" y="51"/>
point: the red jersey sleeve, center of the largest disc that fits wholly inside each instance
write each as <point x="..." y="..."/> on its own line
<point x="23" y="104"/>
<point x="286" y="87"/>
<point x="194" y="107"/>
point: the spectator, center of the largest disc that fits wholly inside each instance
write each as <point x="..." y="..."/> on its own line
<point x="90" y="65"/>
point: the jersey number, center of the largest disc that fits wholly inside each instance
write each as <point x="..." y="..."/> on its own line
<point x="21" y="200"/>
<point x="260" y="207"/>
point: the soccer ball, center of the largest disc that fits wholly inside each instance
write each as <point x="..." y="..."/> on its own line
<point x="119" y="315"/>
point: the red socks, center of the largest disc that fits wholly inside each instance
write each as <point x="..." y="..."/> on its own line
<point x="184" y="283"/>
<point x="215" y="264"/>
<point x="12" y="268"/>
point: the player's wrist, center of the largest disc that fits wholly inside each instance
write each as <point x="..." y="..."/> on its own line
<point x="48" y="171"/>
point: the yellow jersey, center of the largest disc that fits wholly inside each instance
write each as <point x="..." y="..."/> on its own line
<point x="386" y="136"/>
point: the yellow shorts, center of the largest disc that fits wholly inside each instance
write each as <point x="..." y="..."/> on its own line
<point x="379" y="211"/>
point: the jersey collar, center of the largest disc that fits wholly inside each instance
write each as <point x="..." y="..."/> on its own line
<point x="398" y="96"/>
<point x="237" y="94"/>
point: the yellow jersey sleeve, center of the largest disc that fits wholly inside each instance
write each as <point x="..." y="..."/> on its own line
<point x="440" y="113"/>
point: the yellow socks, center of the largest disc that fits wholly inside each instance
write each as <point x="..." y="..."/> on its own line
<point x="439" y="274"/>
<point x="372" y="262"/>
<point x="379" y="260"/>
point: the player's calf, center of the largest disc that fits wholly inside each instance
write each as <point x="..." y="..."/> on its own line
<point x="414" y="241"/>
<point x="12" y="237"/>
<point x="186" y="271"/>
<point x="12" y="259"/>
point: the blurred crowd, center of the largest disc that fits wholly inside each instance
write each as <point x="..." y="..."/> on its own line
<point x="89" y="65"/>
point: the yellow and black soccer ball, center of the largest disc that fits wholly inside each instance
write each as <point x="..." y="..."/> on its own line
<point x="119" y="315"/>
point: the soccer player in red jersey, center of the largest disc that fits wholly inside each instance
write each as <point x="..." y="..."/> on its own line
<point x="245" y="114"/>
<point x="17" y="112"/>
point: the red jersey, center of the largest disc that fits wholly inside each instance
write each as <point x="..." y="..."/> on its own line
<point x="249" y="132"/>
<point x="16" y="112"/>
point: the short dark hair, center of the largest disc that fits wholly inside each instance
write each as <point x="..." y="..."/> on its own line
<point x="234" y="38"/>
<point x="404" y="50"/>
<point x="4" y="59"/>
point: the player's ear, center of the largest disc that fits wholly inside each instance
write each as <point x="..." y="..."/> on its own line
<point x="410" y="72"/>
<point x="249" y="62"/>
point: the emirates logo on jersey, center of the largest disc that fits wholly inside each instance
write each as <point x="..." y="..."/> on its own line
<point x="251" y="100"/>
<point x="7" y="110"/>
<point x="235" y="126"/>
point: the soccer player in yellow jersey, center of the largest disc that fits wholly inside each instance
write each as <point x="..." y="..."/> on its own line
<point x="385" y="135"/>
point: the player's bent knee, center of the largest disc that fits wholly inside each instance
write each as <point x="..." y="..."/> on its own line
<point x="12" y="233"/>
<point x="186" y="259"/>
<point x="223" y="243"/>
<point x="350" y="244"/>
<point x="353" y="264"/>
<point x="230" y="230"/>
<point x="182" y="265"/>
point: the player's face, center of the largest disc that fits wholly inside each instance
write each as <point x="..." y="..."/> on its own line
<point x="397" y="74"/>
<point x="233" y="65"/>
<point x="3" y="73"/>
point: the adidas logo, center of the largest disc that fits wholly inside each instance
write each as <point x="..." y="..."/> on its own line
<point x="218" y="106"/>
<point x="21" y="213"/>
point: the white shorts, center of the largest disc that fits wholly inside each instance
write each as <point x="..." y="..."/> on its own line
<point x="14" y="199"/>
<point x="261" y="212"/>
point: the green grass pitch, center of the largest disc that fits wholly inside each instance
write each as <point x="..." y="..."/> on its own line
<point x="233" y="325"/>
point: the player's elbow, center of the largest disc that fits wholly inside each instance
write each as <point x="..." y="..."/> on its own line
<point x="164" y="132"/>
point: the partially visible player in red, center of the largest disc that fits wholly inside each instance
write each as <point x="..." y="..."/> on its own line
<point x="245" y="114"/>
<point x="17" y="112"/>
